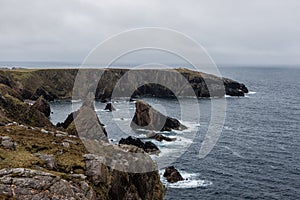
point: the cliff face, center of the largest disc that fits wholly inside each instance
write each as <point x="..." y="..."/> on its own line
<point x="58" y="83"/>
<point x="37" y="163"/>
<point x="41" y="161"/>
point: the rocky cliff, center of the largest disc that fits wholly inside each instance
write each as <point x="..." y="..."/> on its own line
<point x="40" y="163"/>
<point x="58" y="83"/>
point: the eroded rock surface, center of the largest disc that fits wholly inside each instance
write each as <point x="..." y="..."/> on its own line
<point x="21" y="183"/>
<point x="146" y="117"/>
<point x="43" y="106"/>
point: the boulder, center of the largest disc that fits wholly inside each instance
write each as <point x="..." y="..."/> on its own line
<point x="43" y="106"/>
<point x="109" y="107"/>
<point x="148" y="147"/>
<point x="148" y="118"/>
<point x="172" y="175"/>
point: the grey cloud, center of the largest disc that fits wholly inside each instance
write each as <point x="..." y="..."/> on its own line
<point x="233" y="31"/>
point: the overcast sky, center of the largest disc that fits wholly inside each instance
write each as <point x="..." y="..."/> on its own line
<point x="238" y="32"/>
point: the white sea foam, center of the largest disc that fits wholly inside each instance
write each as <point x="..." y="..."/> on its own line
<point x="235" y="153"/>
<point x="76" y="100"/>
<point x="228" y="128"/>
<point x="192" y="180"/>
<point x="121" y="119"/>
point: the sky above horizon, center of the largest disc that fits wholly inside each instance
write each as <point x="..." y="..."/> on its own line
<point x="234" y="32"/>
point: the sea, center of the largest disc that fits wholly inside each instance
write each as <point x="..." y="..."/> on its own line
<point x="257" y="155"/>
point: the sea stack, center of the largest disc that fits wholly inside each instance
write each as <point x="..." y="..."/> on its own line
<point x="146" y="117"/>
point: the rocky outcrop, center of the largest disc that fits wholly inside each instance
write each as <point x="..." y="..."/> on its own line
<point x="172" y="175"/>
<point x="148" y="147"/>
<point x="21" y="183"/>
<point x="120" y="185"/>
<point x="86" y="122"/>
<point x="42" y="167"/>
<point x="234" y="88"/>
<point x="159" y="137"/>
<point x="41" y="91"/>
<point x="43" y="106"/>
<point x="16" y="110"/>
<point x="148" y="118"/>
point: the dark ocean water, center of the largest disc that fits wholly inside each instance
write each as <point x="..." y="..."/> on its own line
<point x="258" y="153"/>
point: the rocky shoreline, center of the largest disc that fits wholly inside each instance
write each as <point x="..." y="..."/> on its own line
<point x="39" y="160"/>
<point x="58" y="83"/>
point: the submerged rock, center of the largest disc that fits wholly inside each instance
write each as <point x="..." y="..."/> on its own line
<point x="172" y="175"/>
<point x="43" y="106"/>
<point x="148" y="147"/>
<point x="148" y="118"/>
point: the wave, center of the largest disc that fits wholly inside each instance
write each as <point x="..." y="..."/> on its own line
<point x="192" y="180"/>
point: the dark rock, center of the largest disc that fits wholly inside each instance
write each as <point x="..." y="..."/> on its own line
<point x="148" y="118"/>
<point x="148" y="147"/>
<point x="5" y="80"/>
<point x="43" y="106"/>
<point x="234" y="88"/>
<point x="172" y="175"/>
<point x="68" y="120"/>
<point x="41" y="91"/>
<point x="109" y="107"/>
<point x="160" y="137"/>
